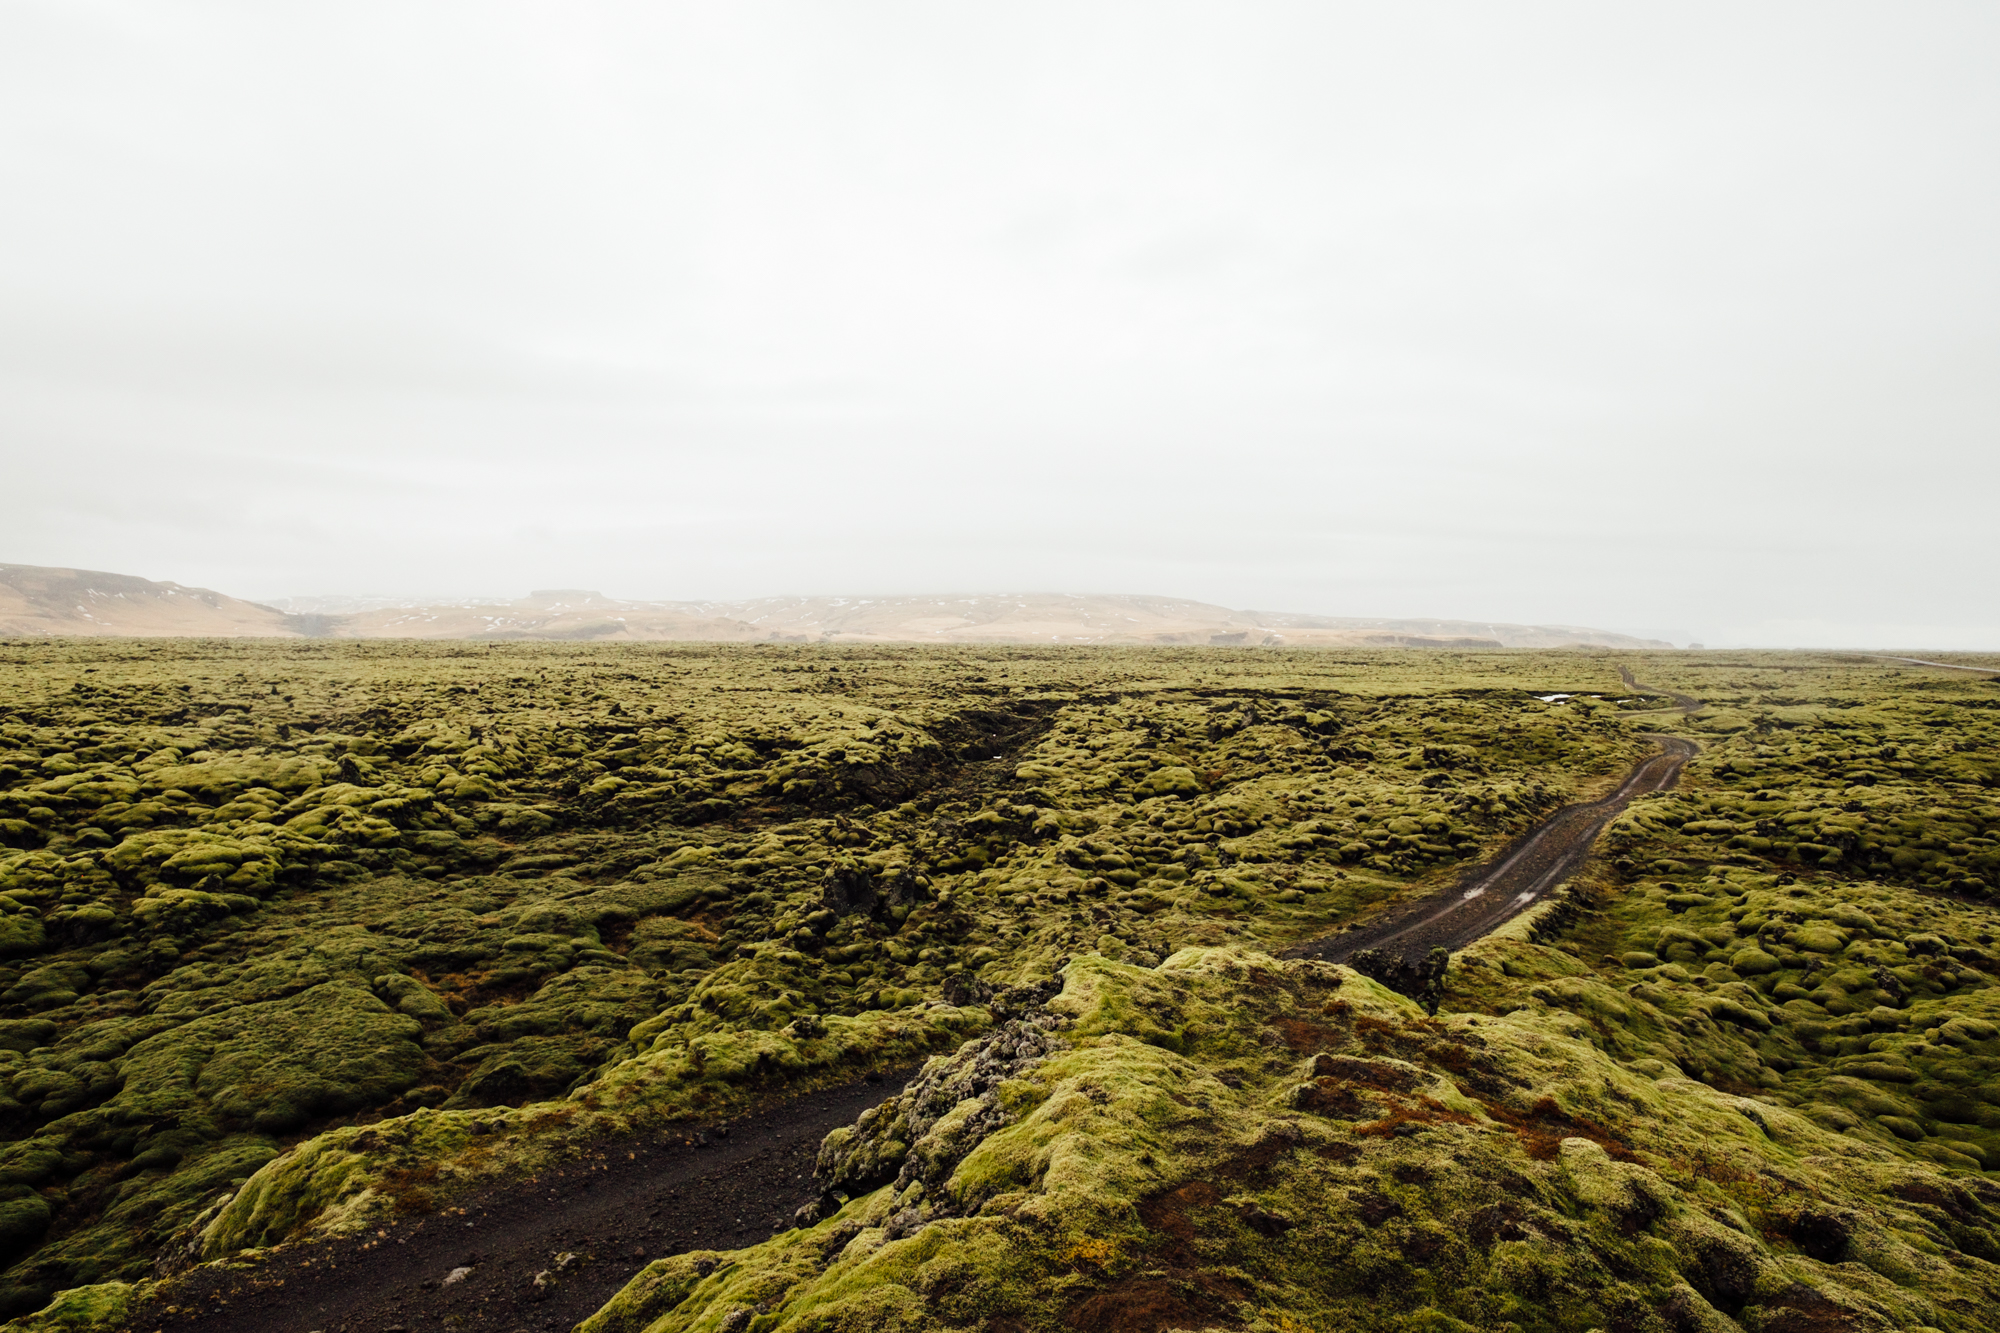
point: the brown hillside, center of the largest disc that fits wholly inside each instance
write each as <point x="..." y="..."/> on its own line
<point x="35" y="600"/>
<point x="946" y="618"/>
<point x="56" y="602"/>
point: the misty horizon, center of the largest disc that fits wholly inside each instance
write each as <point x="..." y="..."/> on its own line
<point x="344" y="603"/>
<point x="1672" y="322"/>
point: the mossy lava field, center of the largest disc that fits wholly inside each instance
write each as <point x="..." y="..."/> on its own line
<point x="307" y="944"/>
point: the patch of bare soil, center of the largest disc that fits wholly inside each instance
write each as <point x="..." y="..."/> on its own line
<point x="539" y="1253"/>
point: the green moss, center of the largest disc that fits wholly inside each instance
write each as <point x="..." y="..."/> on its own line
<point x="1129" y="1175"/>
<point x="659" y="1287"/>
<point x="519" y="895"/>
<point x="92" y="1309"/>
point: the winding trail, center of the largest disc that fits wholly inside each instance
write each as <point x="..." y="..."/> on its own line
<point x="1948" y="666"/>
<point x="588" y="1225"/>
<point x="611" y="1209"/>
<point x="1683" y="703"/>
<point x="1519" y="877"/>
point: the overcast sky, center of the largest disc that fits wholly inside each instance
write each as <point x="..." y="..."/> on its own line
<point x="1677" y="317"/>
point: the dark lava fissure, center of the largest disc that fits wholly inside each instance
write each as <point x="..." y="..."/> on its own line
<point x="621" y="1204"/>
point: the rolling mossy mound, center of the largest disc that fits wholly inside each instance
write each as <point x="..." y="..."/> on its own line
<point x="296" y="937"/>
<point x="1230" y="1140"/>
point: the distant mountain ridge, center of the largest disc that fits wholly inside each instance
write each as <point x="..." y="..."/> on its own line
<point x="54" y="602"/>
<point x="38" y="600"/>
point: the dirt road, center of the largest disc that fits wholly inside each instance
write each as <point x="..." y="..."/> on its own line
<point x="1683" y="703"/>
<point x="716" y="1187"/>
<point x="1519" y="877"/>
<point x="1948" y="666"/>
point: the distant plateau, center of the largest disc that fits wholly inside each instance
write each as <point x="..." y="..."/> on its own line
<point x="48" y="602"/>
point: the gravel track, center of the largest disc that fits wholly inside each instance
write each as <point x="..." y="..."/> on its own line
<point x="1524" y="873"/>
<point x="1683" y="703"/>
<point x="622" y="1204"/>
<point x="1948" y="666"/>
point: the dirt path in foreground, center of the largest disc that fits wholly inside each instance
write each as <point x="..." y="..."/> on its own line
<point x="622" y="1205"/>
<point x="1519" y="877"/>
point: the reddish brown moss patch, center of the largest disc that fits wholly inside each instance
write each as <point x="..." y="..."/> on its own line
<point x="1154" y="1304"/>
<point x="1545" y="1125"/>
